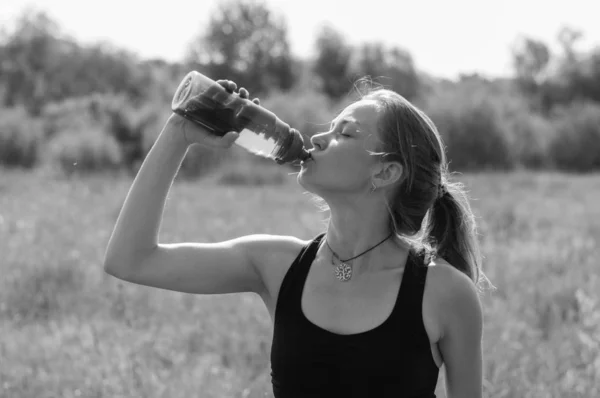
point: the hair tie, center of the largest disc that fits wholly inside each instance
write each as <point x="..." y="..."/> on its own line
<point x="442" y="190"/>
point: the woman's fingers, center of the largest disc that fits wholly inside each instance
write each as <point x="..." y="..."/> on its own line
<point x="232" y="86"/>
<point x="245" y="94"/>
<point x="221" y="142"/>
<point x="229" y="138"/>
<point x="228" y="84"/>
<point x="224" y="83"/>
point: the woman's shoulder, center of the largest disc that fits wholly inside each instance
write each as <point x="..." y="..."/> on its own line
<point x="268" y="247"/>
<point x="452" y="292"/>
<point x="447" y="279"/>
<point x="273" y="258"/>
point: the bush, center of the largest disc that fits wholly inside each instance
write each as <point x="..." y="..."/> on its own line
<point x="113" y="114"/>
<point x="576" y="146"/>
<point x="20" y="138"/>
<point x="473" y="131"/>
<point x="90" y="151"/>
<point x="248" y="178"/>
<point x="201" y="160"/>
<point x="72" y="114"/>
<point x="248" y="171"/>
<point x="533" y="135"/>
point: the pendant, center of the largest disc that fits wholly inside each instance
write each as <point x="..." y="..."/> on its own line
<point x="343" y="272"/>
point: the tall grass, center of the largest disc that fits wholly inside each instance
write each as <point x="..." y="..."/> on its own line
<point x="67" y="329"/>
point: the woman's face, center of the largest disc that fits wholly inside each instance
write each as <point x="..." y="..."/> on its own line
<point x="340" y="160"/>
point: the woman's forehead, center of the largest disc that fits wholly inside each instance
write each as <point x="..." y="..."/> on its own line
<point x="363" y="112"/>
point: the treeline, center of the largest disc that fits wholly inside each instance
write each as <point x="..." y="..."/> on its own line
<point x="97" y="107"/>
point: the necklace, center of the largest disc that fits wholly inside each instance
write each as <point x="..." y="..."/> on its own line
<point x="343" y="271"/>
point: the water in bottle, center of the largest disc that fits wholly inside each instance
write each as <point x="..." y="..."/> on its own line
<point x="207" y="103"/>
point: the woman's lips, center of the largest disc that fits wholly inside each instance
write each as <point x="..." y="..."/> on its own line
<point x="309" y="159"/>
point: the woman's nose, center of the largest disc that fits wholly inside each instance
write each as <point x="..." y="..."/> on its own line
<point x="317" y="141"/>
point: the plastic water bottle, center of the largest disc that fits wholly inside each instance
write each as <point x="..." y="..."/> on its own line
<point x="207" y="103"/>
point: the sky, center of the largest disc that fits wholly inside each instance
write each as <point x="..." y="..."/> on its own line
<point x="445" y="38"/>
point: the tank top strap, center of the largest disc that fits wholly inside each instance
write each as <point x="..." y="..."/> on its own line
<point x="302" y="263"/>
<point x="293" y="281"/>
<point x="411" y="293"/>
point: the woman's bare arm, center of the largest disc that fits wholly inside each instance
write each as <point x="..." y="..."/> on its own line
<point x="134" y="253"/>
<point x="461" y="319"/>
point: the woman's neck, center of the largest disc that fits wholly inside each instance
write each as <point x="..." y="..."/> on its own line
<point x="348" y="243"/>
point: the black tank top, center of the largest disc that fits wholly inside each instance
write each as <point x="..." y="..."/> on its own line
<point x="392" y="360"/>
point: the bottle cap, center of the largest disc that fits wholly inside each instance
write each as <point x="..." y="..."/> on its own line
<point x="183" y="91"/>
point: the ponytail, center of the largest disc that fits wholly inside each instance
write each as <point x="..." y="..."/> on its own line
<point x="441" y="226"/>
<point x="451" y="231"/>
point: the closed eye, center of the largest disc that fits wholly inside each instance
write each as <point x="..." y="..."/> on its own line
<point x="342" y="124"/>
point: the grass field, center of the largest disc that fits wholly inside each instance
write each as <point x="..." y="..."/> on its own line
<point x="69" y="330"/>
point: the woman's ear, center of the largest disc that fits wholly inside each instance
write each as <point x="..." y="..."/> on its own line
<point x="387" y="173"/>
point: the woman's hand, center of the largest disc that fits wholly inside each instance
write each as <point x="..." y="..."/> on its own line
<point x="196" y="134"/>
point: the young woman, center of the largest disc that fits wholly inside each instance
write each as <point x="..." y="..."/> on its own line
<point x="373" y="306"/>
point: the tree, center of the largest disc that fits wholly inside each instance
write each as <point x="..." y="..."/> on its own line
<point x="39" y="65"/>
<point x="332" y="65"/>
<point x="567" y="38"/>
<point x="246" y="43"/>
<point x="27" y="54"/>
<point x="530" y="61"/>
<point x="549" y="80"/>
<point x="393" y="68"/>
<point x="579" y="72"/>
